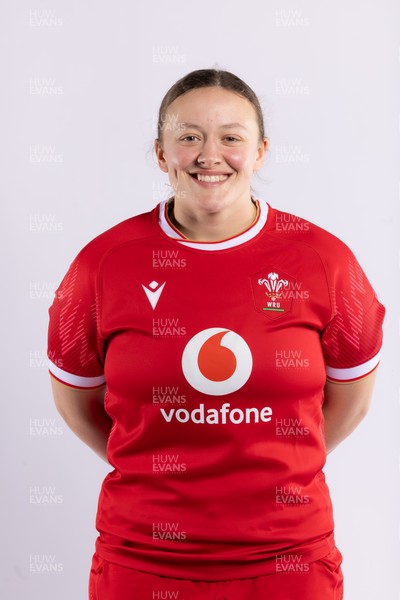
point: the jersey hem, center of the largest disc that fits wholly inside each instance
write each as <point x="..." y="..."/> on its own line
<point x="211" y="571"/>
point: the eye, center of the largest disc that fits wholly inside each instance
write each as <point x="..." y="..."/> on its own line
<point x="231" y="138"/>
<point x="188" y="138"/>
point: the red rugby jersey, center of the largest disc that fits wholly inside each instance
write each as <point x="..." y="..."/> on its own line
<point x="215" y="356"/>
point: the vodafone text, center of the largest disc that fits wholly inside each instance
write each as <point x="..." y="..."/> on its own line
<point x="215" y="416"/>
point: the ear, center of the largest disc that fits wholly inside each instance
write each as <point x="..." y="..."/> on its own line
<point x="162" y="163"/>
<point x="261" y="150"/>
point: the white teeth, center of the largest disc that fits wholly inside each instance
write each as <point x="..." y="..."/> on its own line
<point x="211" y="178"/>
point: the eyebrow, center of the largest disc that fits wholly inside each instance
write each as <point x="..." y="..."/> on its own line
<point x="226" y="126"/>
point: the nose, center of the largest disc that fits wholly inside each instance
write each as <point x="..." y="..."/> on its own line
<point x="209" y="153"/>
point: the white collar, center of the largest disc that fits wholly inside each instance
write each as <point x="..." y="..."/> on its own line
<point x="236" y="240"/>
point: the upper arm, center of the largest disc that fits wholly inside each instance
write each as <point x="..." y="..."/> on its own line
<point x="344" y="407"/>
<point x="350" y="398"/>
<point x="73" y="403"/>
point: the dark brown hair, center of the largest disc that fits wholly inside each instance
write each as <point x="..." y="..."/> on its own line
<point x="209" y="78"/>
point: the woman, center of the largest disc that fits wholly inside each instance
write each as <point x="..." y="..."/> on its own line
<point x="204" y="346"/>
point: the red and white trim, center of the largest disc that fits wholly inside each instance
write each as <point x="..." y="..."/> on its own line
<point x="243" y="237"/>
<point x="353" y="373"/>
<point x="75" y="380"/>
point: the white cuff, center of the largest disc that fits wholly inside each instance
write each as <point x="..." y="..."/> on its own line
<point x="75" y="380"/>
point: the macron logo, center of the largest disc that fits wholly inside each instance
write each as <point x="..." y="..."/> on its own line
<point x="153" y="292"/>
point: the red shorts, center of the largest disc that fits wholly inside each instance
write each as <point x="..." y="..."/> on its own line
<point x="319" y="580"/>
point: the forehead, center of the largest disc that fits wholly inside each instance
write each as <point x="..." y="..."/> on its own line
<point x="212" y="104"/>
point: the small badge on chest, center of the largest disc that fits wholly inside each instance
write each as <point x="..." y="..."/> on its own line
<point x="273" y="292"/>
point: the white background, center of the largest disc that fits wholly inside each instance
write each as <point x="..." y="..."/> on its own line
<point x="82" y="83"/>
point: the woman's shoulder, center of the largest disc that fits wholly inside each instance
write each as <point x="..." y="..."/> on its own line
<point x="133" y="229"/>
<point x="303" y="231"/>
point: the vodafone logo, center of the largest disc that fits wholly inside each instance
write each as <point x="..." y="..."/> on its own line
<point x="217" y="361"/>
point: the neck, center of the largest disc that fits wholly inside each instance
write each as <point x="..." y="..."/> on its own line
<point x="212" y="227"/>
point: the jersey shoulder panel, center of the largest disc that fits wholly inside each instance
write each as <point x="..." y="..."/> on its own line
<point x="352" y="338"/>
<point x="132" y="229"/>
<point x="337" y="258"/>
<point x="300" y="230"/>
<point x="75" y="340"/>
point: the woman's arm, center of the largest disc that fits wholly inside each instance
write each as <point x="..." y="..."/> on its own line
<point x="83" y="411"/>
<point x="345" y="405"/>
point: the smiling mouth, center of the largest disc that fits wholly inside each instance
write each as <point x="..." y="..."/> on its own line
<point x="209" y="178"/>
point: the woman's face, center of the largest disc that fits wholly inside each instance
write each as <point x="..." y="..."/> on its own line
<point x="210" y="148"/>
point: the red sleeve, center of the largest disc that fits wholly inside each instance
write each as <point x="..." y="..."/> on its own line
<point x="352" y="339"/>
<point x="74" y="347"/>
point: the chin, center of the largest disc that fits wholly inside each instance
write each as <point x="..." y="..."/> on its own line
<point x="213" y="204"/>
